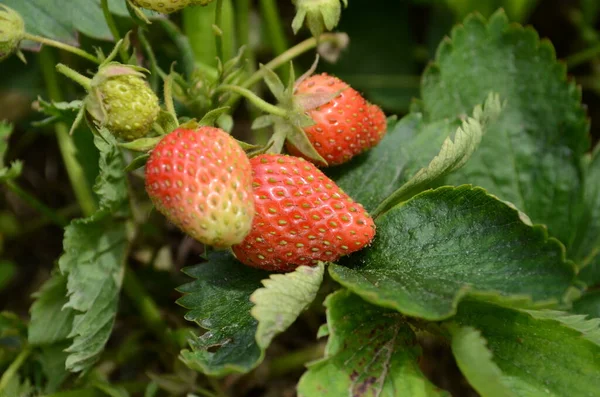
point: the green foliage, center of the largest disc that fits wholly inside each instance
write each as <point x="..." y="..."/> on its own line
<point x="219" y="301"/>
<point x="283" y="298"/>
<point x="538" y="352"/>
<point x="532" y="155"/>
<point x="441" y="245"/>
<point x="91" y="270"/>
<point x="14" y="170"/>
<point x="237" y="334"/>
<point x="588" y="304"/>
<point x="49" y="19"/>
<point x="476" y="362"/>
<point x="370" y="351"/>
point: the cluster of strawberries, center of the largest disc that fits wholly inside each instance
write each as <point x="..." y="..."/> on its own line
<point x="276" y="211"/>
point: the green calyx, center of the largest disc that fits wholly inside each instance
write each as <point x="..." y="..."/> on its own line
<point x="320" y="15"/>
<point x="121" y="100"/>
<point x="167" y="6"/>
<point x="12" y="32"/>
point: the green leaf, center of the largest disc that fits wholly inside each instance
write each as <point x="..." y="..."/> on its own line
<point x="452" y="156"/>
<point x="370" y="352"/>
<point x="588" y="304"/>
<point x="375" y="175"/>
<point x="7" y="272"/>
<point x="539" y="352"/>
<point x="50" y="321"/>
<point x="52" y="359"/>
<point x="441" y="245"/>
<point x="532" y="155"/>
<point x="48" y="18"/>
<point x="219" y="301"/>
<point x="95" y="250"/>
<point x="14" y="170"/>
<point x="282" y="299"/>
<point x="475" y="361"/>
<point x="586" y="243"/>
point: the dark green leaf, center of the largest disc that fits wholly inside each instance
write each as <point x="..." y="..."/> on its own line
<point x="375" y="175"/>
<point x="588" y="304"/>
<point x="453" y="154"/>
<point x="50" y="18"/>
<point x="219" y="301"/>
<point x="434" y="249"/>
<point x="476" y="362"/>
<point x="539" y="352"/>
<point x="52" y="359"/>
<point x="50" y="321"/>
<point x="95" y="252"/>
<point x="532" y="155"/>
<point x="590" y="274"/>
<point x="7" y="272"/>
<point x="371" y="352"/>
<point x="586" y="244"/>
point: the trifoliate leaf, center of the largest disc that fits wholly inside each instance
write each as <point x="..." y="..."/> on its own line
<point x="95" y="252"/>
<point x="282" y="299"/>
<point x="219" y="302"/>
<point x="453" y="155"/>
<point x="441" y="245"/>
<point x="532" y="155"/>
<point x="51" y="322"/>
<point x="370" y="352"/>
<point x="476" y="362"/>
<point x="539" y="352"/>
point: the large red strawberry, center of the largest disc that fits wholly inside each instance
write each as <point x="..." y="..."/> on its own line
<point x="201" y="179"/>
<point x="301" y="217"/>
<point x="345" y="126"/>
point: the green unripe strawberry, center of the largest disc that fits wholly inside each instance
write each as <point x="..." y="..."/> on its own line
<point x="12" y="31"/>
<point x="168" y="6"/>
<point x="121" y="100"/>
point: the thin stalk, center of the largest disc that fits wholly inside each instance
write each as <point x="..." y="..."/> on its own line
<point x="583" y="56"/>
<point x="77" y="77"/>
<point x="256" y="101"/>
<point x="283" y="365"/>
<point x="112" y="26"/>
<point x="12" y="370"/>
<point x="36" y="204"/>
<point x="183" y="45"/>
<point x="62" y="46"/>
<point x="83" y="192"/>
<point x="281" y="60"/>
<point x="149" y="310"/>
<point x="270" y="13"/>
<point x="219" y="35"/>
<point x="155" y="71"/>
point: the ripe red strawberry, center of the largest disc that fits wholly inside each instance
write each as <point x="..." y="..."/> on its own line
<point x="344" y="126"/>
<point x="201" y="180"/>
<point x="301" y="217"/>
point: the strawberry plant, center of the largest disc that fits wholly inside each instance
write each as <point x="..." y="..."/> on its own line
<point x="186" y="215"/>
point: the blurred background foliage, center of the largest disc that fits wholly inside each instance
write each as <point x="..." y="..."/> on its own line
<point x="391" y="42"/>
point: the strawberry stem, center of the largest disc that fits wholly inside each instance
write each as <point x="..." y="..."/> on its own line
<point x="82" y="190"/>
<point x="256" y="101"/>
<point x="77" y="77"/>
<point x="219" y="32"/>
<point x="284" y="58"/>
<point x="13" y="369"/>
<point x="112" y="26"/>
<point x="62" y="46"/>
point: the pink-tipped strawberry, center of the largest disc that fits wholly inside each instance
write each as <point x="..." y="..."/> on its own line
<point x="301" y="217"/>
<point x="201" y="180"/>
<point x="345" y="126"/>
